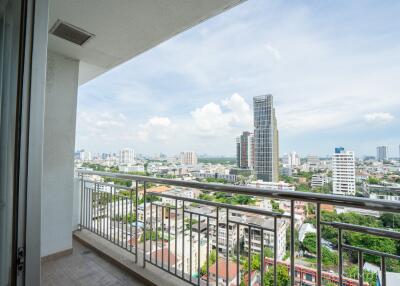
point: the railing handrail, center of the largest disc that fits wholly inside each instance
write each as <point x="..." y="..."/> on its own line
<point x="347" y="201"/>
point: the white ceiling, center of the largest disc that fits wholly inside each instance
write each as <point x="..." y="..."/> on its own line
<point x="125" y="28"/>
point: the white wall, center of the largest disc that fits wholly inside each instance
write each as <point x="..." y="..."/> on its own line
<point x="58" y="153"/>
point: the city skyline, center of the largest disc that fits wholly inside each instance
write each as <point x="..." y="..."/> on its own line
<point x="181" y="96"/>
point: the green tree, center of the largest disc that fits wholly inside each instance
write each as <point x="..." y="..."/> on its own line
<point x="282" y="275"/>
<point x="212" y="258"/>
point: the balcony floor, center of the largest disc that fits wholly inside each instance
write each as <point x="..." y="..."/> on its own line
<point x="84" y="267"/>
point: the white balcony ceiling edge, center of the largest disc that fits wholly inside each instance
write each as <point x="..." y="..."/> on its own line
<point x="125" y="28"/>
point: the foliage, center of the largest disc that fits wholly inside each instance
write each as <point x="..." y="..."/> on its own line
<point x="275" y="207"/>
<point x="150" y="235"/>
<point x="309" y="244"/>
<point x="352" y="272"/>
<point x="287" y="179"/>
<point x="212" y="258"/>
<point x="362" y="240"/>
<point x="390" y="220"/>
<point x="282" y="275"/>
<point x="226" y="198"/>
<point x="216" y="180"/>
<point x="130" y="218"/>
<point x="373" y="181"/>
<point x="225" y="161"/>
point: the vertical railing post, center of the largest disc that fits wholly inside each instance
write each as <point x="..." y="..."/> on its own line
<point x="137" y="218"/>
<point x="144" y="224"/>
<point x="360" y="268"/>
<point x="383" y="270"/>
<point x="81" y="202"/>
<point x="130" y="219"/>
<point x="292" y="244"/>
<point x="275" y="251"/>
<point x="176" y="236"/>
<point x="262" y="259"/>
<point x="319" y="246"/>
<point x="217" y="247"/>
<point x="237" y="254"/>
<point x="249" y="258"/>
<point x="340" y="250"/>
<point x="227" y="246"/>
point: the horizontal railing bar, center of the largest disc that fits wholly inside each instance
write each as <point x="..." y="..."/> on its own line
<point x="221" y="205"/>
<point x="371" y="252"/>
<point x="108" y="184"/>
<point x="356" y="202"/>
<point x="364" y="229"/>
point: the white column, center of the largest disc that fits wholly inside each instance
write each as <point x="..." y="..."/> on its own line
<point x="58" y="153"/>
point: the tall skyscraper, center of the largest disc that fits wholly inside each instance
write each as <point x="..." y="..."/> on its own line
<point x="382" y="153"/>
<point x="188" y="158"/>
<point x="266" y="146"/>
<point x="245" y="150"/>
<point x="127" y="156"/>
<point x="343" y="172"/>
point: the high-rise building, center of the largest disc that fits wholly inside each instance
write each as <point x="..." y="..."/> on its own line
<point x="127" y="156"/>
<point x="381" y="153"/>
<point x="245" y="150"/>
<point x="85" y="155"/>
<point x="292" y="159"/>
<point x="188" y="158"/>
<point x="313" y="161"/>
<point x="266" y="149"/>
<point x="343" y="172"/>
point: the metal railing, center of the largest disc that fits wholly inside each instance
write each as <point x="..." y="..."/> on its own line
<point x="218" y="243"/>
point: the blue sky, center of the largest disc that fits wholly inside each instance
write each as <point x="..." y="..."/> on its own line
<point x="332" y="66"/>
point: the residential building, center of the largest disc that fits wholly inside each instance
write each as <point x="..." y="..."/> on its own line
<point x="292" y="159"/>
<point x="233" y="229"/>
<point x="313" y="162"/>
<point x="255" y="234"/>
<point x="275" y="186"/>
<point x="266" y="145"/>
<point x="318" y="180"/>
<point x="127" y="156"/>
<point x="245" y="150"/>
<point x="85" y="156"/>
<point x="384" y="191"/>
<point x="382" y="153"/>
<point x="343" y="172"/>
<point x="188" y="158"/>
<point x="179" y="192"/>
<point x="130" y="168"/>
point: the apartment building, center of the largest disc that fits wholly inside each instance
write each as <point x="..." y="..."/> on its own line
<point x="343" y="172"/>
<point x="255" y="235"/>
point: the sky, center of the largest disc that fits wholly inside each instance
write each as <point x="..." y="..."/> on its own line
<point x="333" y="68"/>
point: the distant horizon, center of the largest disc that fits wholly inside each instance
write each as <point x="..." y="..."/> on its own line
<point x="205" y="155"/>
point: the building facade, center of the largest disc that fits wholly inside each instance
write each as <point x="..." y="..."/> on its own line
<point x="188" y="158"/>
<point x="127" y="156"/>
<point x="381" y="153"/>
<point x="343" y="172"/>
<point x="245" y="150"/>
<point x="266" y="150"/>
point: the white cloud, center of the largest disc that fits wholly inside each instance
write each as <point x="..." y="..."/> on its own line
<point x="156" y="128"/>
<point x="212" y="120"/>
<point x="378" y="118"/>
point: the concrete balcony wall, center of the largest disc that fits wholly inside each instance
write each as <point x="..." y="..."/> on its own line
<point x="58" y="155"/>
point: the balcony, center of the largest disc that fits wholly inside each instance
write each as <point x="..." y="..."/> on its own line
<point x="164" y="243"/>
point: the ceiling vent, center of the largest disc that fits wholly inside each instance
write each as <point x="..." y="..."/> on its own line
<point x="70" y="33"/>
